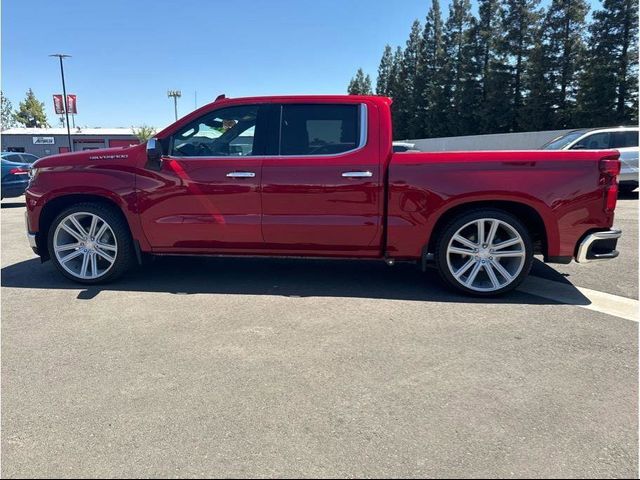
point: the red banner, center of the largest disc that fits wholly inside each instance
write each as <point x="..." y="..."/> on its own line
<point x="58" y="104"/>
<point x="71" y="104"/>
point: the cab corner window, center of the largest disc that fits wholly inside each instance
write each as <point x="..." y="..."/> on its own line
<point x="321" y="129"/>
<point x="226" y="132"/>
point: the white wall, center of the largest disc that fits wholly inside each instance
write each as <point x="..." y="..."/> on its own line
<point x="498" y="141"/>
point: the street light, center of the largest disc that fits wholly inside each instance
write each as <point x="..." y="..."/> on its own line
<point x="175" y="94"/>
<point x="64" y="96"/>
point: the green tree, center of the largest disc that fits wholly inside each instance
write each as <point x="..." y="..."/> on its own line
<point x="143" y="132"/>
<point x="360" y="84"/>
<point x="538" y="110"/>
<point x="495" y="114"/>
<point x="565" y="25"/>
<point x="7" y="112"/>
<point x="397" y="91"/>
<point x="461" y="69"/>
<point x="429" y="84"/>
<point x="519" y="24"/>
<point x="384" y="72"/>
<point x="411" y="101"/>
<point x="608" y="90"/>
<point x="31" y="112"/>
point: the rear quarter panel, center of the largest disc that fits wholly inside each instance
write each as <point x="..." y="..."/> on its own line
<point x="562" y="186"/>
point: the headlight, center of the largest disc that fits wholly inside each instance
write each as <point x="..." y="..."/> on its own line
<point x="32" y="173"/>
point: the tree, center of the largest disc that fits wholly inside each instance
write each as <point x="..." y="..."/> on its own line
<point x="412" y="98"/>
<point x="384" y="72"/>
<point x="360" y="84"/>
<point x="461" y="69"/>
<point x="537" y="112"/>
<point x="608" y="90"/>
<point x="144" y="132"/>
<point x="397" y="90"/>
<point x="565" y="24"/>
<point x="31" y="112"/>
<point x="495" y="114"/>
<point x="7" y="112"/>
<point x="429" y="84"/>
<point x="519" y="23"/>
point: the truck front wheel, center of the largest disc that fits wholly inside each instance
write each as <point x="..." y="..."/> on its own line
<point x="484" y="252"/>
<point x="90" y="243"/>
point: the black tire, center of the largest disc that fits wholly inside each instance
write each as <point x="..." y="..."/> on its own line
<point x="460" y="221"/>
<point x="125" y="255"/>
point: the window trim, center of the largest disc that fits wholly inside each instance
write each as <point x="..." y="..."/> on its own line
<point x="363" y="125"/>
<point x="215" y="157"/>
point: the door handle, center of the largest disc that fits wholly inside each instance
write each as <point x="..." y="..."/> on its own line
<point x="357" y="174"/>
<point x="241" y="174"/>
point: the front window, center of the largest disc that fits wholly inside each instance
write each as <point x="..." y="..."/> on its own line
<point x="223" y="133"/>
<point x="320" y="129"/>
<point x="560" y="143"/>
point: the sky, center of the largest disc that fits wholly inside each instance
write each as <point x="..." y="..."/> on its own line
<point x="125" y="55"/>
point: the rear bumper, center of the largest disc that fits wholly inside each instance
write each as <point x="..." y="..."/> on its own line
<point x="598" y="246"/>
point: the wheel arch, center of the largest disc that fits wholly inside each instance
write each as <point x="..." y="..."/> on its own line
<point x="54" y="206"/>
<point x="527" y="214"/>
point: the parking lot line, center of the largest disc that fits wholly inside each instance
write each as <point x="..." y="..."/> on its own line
<point x="615" y="305"/>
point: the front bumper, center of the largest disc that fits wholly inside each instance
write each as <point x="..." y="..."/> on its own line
<point x="598" y="246"/>
<point x="31" y="237"/>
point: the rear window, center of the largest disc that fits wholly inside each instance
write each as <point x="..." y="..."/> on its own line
<point x="626" y="139"/>
<point x="318" y="129"/>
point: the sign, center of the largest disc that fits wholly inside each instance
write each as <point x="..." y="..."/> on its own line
<point x="72" y="104"/>
<point x="43" y="140"/>
<point x="58" y="104"/>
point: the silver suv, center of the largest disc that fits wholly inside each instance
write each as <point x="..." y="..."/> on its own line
<point x="623" y="139"/>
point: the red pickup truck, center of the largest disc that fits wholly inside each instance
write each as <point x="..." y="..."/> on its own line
<point x="317" y="176"/>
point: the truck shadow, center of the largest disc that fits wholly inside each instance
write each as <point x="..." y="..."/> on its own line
<point x="273" y="276"/>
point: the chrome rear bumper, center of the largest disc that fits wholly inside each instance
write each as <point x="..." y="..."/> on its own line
<point x="598" y="246"/>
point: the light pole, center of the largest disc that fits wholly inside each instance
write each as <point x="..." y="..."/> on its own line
<point x="176" y="94"/>
<point x="64" y="96"/>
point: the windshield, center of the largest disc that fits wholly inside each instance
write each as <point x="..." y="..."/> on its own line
<point x="561" y="142"/>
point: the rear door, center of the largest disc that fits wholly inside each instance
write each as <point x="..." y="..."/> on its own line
<point x="322" y="184"/>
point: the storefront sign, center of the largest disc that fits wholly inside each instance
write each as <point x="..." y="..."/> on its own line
<point x="43" y="140"/>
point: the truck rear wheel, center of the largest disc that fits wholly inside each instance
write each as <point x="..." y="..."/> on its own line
<point x="484" y="252"/>
<point x="90" y="243"/>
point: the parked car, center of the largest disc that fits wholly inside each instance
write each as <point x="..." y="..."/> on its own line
<point x="15" y="173"/>
<point x="623" y="139"/>
<point x="320" y="179"/>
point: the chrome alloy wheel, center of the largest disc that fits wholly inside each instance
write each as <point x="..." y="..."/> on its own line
<point x="486" y="255"/>
<point x="85" y="245"/>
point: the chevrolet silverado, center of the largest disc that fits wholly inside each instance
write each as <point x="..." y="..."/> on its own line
<point x="316" y="176"/>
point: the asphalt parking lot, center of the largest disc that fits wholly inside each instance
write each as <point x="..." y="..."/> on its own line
<point x="268" y="367"/>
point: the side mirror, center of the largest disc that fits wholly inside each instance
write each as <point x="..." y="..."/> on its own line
<point x="154" y="154"/>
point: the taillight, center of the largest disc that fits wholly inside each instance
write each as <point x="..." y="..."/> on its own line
<point x="19" y="171"/>
<point x="609" y="171"/>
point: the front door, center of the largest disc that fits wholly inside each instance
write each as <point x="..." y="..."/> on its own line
<point x="322" y="193"/>
<point x="206" y="197"/>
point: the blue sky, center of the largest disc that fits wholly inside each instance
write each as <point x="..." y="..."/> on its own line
<point x="126" y="54"/>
